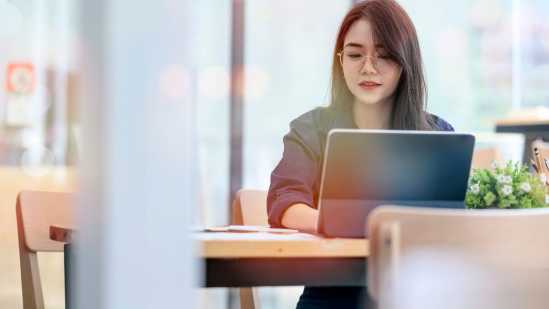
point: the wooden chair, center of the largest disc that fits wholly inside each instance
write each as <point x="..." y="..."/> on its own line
<point x="483" y="157"/>
<point x="36" y="211"/>
<point x="249" y="208"/>
<point x="443" y="258"/>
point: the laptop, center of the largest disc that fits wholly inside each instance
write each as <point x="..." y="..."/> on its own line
<point x="364" y="169"/>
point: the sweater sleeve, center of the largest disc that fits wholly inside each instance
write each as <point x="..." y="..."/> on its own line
<point x="441" y="124"/>
<point x="294" y="178"/>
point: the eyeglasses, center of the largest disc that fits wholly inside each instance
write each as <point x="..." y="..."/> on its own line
<point x="354" y="59"/>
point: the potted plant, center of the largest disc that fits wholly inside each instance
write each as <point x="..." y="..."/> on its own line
<point x="506" y="186"/>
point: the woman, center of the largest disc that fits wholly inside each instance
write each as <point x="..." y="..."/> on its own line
<point x="377" y="83"/>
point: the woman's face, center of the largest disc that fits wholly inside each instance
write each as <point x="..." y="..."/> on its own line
<point x="370" y="75"/>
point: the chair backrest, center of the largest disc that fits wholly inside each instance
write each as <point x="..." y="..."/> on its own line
<point x="250" y="208"/>
<point x="36" y="211"/>
<point x="483" y="157"/>
<point x="509" y="146"/>
<point x="442" y="258"/>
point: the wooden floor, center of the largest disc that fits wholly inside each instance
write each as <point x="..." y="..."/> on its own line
<point x="13" y="180"/>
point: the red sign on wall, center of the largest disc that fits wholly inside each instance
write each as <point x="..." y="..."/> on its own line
<point x="20" y="78"/>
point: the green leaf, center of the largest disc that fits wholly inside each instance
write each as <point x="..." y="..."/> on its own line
<point x="489" y="198"/>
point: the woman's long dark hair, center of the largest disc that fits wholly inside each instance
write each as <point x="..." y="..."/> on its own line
<point x="393" y="29"/>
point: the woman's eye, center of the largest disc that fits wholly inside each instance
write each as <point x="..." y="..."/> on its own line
<point x="354" y="56"/>
<point x="384" y="57"/>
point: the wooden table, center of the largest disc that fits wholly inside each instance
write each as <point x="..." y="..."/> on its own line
<point x="265" y="259"/>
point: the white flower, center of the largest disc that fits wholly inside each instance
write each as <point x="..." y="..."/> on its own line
<point x="504" y="179"/>
<point x="500" y="178"/>
<point x="525" y="187"/>
<point x="507" y="190"/>
<point x="543" y="178"/>
<point x="475" y="188"/>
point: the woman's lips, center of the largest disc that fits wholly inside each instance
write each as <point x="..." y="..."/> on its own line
<point x="369" y="85"/>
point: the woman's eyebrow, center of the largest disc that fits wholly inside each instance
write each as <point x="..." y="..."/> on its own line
<point x="351" y="44"/>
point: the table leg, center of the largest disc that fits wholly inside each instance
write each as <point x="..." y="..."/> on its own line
<point x="67" y="260"/>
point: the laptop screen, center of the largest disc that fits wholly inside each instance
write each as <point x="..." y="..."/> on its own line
<point x="396" y="165"/>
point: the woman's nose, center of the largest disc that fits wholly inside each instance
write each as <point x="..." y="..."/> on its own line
<point x="369" y="66"/>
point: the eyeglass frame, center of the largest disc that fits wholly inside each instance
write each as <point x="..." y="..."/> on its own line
<point x="374" y="63"/>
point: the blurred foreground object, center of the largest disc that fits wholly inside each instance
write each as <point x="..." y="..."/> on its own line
<point x="441" y="258"/>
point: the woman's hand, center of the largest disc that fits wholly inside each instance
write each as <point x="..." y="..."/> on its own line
<point x="301" y="217"/>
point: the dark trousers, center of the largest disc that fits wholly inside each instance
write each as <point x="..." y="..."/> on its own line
<point x="335" y="297"/>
